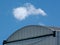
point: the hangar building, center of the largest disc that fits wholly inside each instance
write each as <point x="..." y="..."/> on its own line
<point x="34" y="35"/>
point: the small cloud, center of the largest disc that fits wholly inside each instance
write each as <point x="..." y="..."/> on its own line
<point x="41" y="24"/>
<point x="32" y="10"/>
<point x="27" y="9"/>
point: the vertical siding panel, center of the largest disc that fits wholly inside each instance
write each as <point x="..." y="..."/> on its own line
<point x="58" y="37"/>
<point x="33" y="32"/>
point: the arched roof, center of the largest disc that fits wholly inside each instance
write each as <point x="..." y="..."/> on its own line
<point x="29" y="31"/>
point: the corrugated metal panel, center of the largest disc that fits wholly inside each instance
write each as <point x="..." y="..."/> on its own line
<point x="38" y="41"/>
<point x="31" y="31"/>
<point x="58" y="37"/>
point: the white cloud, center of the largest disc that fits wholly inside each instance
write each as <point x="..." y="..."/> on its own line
<point x="22" y="12"/>
<point x="41" y="24"/>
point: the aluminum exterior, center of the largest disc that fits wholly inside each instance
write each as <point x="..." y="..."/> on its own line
<point x="38" y="41"/>
<point x="58" y="37"/>
<point x="33" y="31"/>
<point x="29" y="31"/>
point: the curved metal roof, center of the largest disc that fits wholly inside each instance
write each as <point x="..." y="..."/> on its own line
<point x="30" y="31"/>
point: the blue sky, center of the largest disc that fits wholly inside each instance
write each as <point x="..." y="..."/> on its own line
<point x="9" y="23"/>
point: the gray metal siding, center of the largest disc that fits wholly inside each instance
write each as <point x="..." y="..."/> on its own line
<point x="58" y="37"/>
<point x="34" y="31"/>
<point x="38" y="41"/>
<point x="29" y="32"/>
